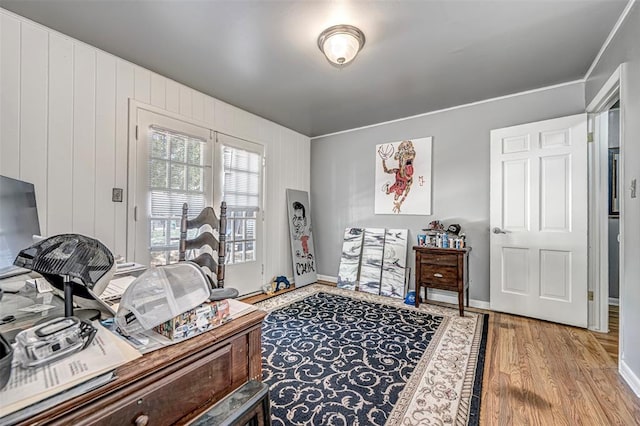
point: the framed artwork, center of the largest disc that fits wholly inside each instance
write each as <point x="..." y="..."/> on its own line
<point x="403" y="177"/>
<point x="614" y="168"/>
<point x="302" y="252"/>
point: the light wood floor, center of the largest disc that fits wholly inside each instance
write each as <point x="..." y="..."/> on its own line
<point x="541" y="373"/>
<point x="609" y="341"/>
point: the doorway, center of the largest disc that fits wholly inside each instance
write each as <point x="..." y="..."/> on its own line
<point x="606" y="206"/>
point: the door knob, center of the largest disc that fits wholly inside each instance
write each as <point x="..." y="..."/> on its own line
<point x="497" y="230"/>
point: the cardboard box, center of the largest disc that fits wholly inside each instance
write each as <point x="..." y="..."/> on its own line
<point x="204" y="317"/>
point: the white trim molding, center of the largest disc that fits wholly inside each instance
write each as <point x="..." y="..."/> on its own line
<point x="424" y="114"/>
<point x="614" y="301"/>
<point x="610" y="37"/>
<point x="632" y="380"/>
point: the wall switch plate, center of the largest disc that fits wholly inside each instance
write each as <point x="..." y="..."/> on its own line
<point x="633" y="188"/>
<point x="116" y="195"/>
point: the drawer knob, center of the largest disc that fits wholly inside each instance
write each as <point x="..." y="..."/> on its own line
<point x="437" y="275"/>
<point x="142" y="420"/>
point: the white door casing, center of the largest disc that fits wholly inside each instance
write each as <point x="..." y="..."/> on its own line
<point x="538" y="220"/>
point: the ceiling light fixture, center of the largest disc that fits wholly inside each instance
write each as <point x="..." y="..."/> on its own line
<point x="341" y="43"/>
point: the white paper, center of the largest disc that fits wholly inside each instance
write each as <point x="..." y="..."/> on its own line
<point x="28" y="386"/>
<point x="116" y="288"/>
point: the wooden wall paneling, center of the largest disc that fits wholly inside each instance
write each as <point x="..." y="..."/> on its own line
<point x="105" y="148"/>
<point x="223" y="117"/>
<point x="158" y="91"/>
<point x="268" y="135"/>
<point x="197" y="105"/>
<point x="305" y="158"/>
<point x="142" y="85"/>
<point x="281" y="211"/>
<point x="124" y="91"/>
<point x="60" y="147"/>
<point x="185" y="101"/>
<point x="10" y="99"/>
<point x="209" y="111"/>
<point x="33" y="113"/>
<point x="84" y="139"/>
<point x="172" y="90"/>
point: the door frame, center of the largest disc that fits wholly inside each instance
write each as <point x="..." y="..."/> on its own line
<point x="598" y="204"/>
<point x="132" y="159"/>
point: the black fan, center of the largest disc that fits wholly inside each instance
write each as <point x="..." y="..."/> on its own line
<point x="76" y="264"/>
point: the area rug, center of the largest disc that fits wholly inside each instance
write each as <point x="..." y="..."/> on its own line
<point x="338" y="357"/>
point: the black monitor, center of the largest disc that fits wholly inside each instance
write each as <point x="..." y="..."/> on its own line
<point x="18" y="222"/>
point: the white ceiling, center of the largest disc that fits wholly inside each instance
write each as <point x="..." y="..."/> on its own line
<point x="419" y="56"/>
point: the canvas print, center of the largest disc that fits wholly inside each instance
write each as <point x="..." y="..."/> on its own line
<point x="403" y="177"/>
<point x="394" y="263"/>
<point x="350" y="259"/>
<point x="302" y="253"/>
<point x="371" y="265"/>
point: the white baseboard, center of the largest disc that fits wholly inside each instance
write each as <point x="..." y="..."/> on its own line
<point x="438" y="296"/>
<point x="450" y="297"/>
<point x="614" y="301"/>
<point x="629" y="376"/>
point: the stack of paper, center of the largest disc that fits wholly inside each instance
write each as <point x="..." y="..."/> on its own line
<point x="29" y="386"/>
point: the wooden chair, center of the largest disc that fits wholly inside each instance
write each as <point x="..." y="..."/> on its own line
<point x="204" y="239"/>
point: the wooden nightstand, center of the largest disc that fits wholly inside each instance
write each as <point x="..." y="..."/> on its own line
<point x="444" y="269"/>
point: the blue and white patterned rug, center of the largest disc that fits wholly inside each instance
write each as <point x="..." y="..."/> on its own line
<point x="338" y="357"/>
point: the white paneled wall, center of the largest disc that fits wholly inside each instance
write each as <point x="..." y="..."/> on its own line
<point x="64" y="127"/>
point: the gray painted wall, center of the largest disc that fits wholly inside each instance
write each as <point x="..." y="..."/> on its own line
<point x="625" y="49"/>
<point x="342" y="174"/>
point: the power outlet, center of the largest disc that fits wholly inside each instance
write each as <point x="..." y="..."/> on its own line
<point x="116" y="195"/>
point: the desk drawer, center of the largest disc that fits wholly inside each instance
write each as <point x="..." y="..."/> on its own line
<point x="446" y="275"/>
<point x="439" y="259"/>
<point x="168" y="397"/>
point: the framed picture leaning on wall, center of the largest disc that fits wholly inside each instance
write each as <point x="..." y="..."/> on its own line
<point x="302" y="251"/>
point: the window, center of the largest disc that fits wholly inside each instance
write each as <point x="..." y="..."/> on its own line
<point x="170" y="164"/>
<point x="176" y="176"/>
<point x="241" y="191"/>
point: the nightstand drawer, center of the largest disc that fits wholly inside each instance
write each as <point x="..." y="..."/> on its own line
<point x="439" y="259"/>
<point x="439" y="274"/>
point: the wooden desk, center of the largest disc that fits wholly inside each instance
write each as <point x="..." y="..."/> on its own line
<point x="171" y="385"/>
<point x="444" y="269"/>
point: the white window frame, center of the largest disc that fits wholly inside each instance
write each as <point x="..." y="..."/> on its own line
<point x="138" y="195"/>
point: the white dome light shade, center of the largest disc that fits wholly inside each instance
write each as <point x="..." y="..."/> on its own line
<point x="341" y="43"/>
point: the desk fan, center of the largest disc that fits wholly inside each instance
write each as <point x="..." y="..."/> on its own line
<point x="76" y="264"/>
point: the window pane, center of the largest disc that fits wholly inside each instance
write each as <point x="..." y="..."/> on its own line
<point x="250" y="253"/>
<point x="195" y="152"/>
<point x="239" y="234"/>
<point x="158" y="173"/>
<point x="178" y="173"/>
<point x="238" y="253"/>
<point x="178" y="148"/>
<point x="229" y="251"/>
<point x="174" y="236"/>
<point x="158" y="233"/>
<point x="158" y="258"/>
<point x="229" y="231"/>
<point x="195" y="179"/>
<point x="158" y="145"/>
<point x="250" y="231"/>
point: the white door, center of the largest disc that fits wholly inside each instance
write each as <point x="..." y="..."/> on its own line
<point x="169" y="165"/>
<point x="242" y="187"/>
<point x="538" y="220"/>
